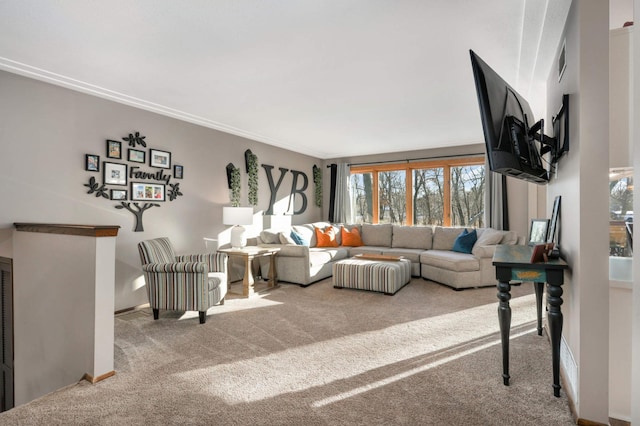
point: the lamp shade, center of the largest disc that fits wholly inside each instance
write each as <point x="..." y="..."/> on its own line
<point x="237" y="215"/>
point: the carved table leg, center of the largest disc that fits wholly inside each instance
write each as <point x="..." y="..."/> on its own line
<point x="539" y="289"/>
<point x="273" y="274"/>
<point x="248" y="281"/>
<point x="504" y="317"/>
<point x="555" y="319"/>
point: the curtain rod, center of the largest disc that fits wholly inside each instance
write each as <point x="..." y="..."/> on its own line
<point x="413" y="159"/>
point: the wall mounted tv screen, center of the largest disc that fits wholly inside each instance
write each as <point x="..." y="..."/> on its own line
<point x="509" y="126"/>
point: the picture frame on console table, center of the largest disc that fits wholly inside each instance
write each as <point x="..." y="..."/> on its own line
<point x="538" y="231"/>
<point x="553" y="226"/>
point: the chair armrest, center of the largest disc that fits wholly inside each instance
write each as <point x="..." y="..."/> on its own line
<point x="216" y="262"/>
<point x="190" y="267"/>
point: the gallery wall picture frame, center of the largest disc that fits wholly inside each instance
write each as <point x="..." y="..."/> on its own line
<point x="114" y="149"/>
<point x="114" y="173"/>
<point x="137" y="156"/>
<point x="145" y="191"/>
<point x="178" y="171"/>
<point x="92" y="163"/>
<point x="538" y="231"/>
<point x="119" y="194"/>
<point x="161" y="159"/>
<point x="553" y="225"/>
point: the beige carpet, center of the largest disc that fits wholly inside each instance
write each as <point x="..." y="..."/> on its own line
<point x="321" y="356"/>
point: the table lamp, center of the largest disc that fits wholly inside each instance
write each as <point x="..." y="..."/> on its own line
<point x="237" y="216"/>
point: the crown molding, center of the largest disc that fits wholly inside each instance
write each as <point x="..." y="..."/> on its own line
<point x="101" y="92"/>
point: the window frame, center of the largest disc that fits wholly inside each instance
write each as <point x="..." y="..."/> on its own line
<point x="408" y="168"/>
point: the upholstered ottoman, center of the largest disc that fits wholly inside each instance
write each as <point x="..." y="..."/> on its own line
<point x="384" y="276"/>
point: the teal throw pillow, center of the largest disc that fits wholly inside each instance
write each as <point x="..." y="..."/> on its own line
<point x="465" y="241"/>
<point x="299" y="240"/>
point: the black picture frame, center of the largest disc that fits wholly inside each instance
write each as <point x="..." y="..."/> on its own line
<point x="114" y="173"/>
<point x="553" y="225"/>
<point x="178" y="171"/>
<point x="538" y="231"/>
<point x="159" y="159"/>
<point x="114" y="149"/>
<point x="119" y="194"/>
<point x="92" y="163"/>
<point x="148" y="191"/>
<point x="136" y="156"/>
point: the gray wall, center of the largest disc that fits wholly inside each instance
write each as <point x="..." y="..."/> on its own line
<point x="582" y="182"/>
<point x="45" y="132"/>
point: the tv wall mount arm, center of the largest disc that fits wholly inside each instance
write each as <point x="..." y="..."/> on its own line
<point x="559" y="143"/>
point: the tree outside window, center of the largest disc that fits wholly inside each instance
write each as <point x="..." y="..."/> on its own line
<point x="448" y="192"/>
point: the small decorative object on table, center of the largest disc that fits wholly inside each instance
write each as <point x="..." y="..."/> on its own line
<point x="541" y="252"/>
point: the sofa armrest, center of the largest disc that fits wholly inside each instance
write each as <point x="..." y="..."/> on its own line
<point x="484" y="251"/>
<point x="291" y="250"/>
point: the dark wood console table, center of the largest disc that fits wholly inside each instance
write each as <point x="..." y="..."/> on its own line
<point x="513" y="263"/>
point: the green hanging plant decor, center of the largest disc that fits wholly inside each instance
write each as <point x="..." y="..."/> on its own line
<point x="251" y="164"/>
<point x="317" y="180"/>
<point x="233" y="179"/>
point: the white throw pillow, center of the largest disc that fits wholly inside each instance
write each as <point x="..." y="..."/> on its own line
<point x="285" y="238"/>
<point x="488" y="237"/>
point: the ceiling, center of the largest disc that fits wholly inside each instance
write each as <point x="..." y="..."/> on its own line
<point x="322" y="77"/>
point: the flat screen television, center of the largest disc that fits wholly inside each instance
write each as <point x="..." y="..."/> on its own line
<point x="515" y="142"/>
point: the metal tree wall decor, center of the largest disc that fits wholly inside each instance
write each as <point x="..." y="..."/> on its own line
<point x="136" y="189"/>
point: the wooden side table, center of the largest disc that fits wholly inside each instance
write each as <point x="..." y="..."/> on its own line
<point x="249" y="253"/>
<point x="514" y="263"/>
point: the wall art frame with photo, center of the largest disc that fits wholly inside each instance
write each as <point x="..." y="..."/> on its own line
<point x="114" y="173"/>
<point x="148" y="191"/>
<point x="137" y="156"/>
<point x="92" y="163"/>
<point x="114" y="149"/>
<point x="160" y="159"/>
<point x="118" y="194"/>
<point x="178" y="171"/>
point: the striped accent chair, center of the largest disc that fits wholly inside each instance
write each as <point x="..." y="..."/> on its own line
<point x="193" y="282"/>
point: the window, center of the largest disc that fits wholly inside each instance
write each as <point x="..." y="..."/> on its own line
<point x="428" y="196"/>
<point x="467" y="196"/>
<point x="621" y="212"/>
<point x="438" y="192"/>
<point x="392" y="197"/>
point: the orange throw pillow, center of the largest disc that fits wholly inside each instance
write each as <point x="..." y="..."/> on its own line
<point x="326" y="238"/>
<point x="351" y="238"/>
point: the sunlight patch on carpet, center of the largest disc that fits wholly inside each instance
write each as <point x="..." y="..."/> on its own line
<point x="413" y="371"/>
<point x="330" y="361"/>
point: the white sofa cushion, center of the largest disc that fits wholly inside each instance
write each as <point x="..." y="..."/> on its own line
<point x="413" y="237"/>
<point x="445" y="237"/>
<point x="322" y="255"/>
<point x="377" y="235"/>
<point x="450" y="260"/>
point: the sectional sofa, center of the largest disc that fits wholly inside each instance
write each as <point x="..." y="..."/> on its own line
<point x="428" y="248"/>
